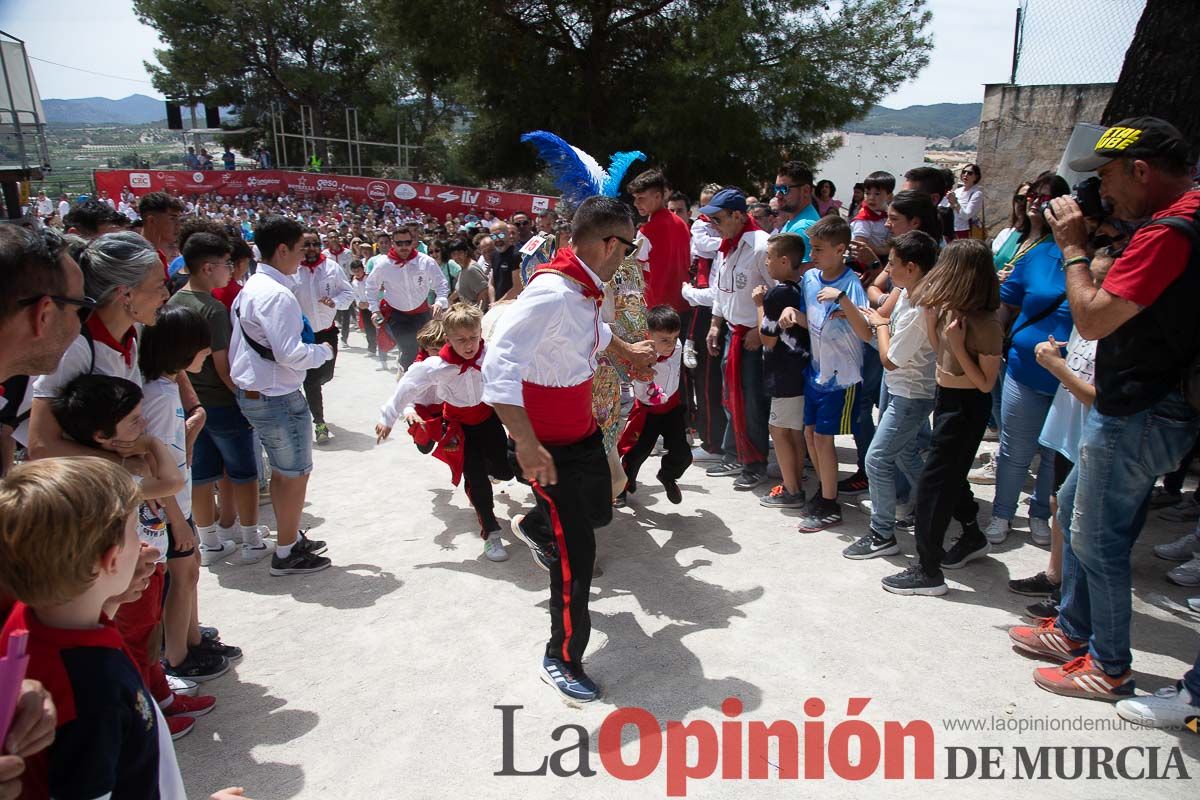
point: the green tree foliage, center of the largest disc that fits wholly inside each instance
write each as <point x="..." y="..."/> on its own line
<point x="712" y="90"/>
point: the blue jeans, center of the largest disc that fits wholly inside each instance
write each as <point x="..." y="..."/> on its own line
<point x="893" y="451"/>
<point x="758" y="406"/>
<point x="868" y="398"/>
<point x="284" y="424"/>
<point x="225" y="445"/>
<point x="1023" y="415"/>
<point x="1102" y="507"/>
<point x="1191" y="681"/>
<point x="997" y="394"/>
<point x="924" y="437"/>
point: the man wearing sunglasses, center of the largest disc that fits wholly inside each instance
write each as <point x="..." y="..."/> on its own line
<point x="794" y="190"/>
<point x="740" y="267"/>
<point x="405" y="276"/>
<point x="41" y="306"/>
<point x="537" y="374"/>
<point x="504" y="261"/>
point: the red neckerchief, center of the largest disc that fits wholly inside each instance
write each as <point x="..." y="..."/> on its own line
<point x="166" y="264"/>
<point x="313" y="266"/>
<point x="864" y="212"/>
<point x="395" y="257"/>
<point x="661" y="359"/>
<point x="101" y="334"/>
<point x="727" y="245"/>
<point x="704" y="218"/>
<point x="335" y="252"/>
<point x="448" y="354"/>
<point x="567" y="264"/>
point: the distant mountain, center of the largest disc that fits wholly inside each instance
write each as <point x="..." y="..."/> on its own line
<point x="943" y="120"/>
<point x="133" y="110"/>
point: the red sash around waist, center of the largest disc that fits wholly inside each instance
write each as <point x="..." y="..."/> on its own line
<point x="469" y="415"/>
<point x="734" y="400"/>
<point x="560" y="415"/>
<point x="637" y="420"/>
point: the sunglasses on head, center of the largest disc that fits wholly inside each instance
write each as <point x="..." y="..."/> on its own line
<point x="86" y="304"/>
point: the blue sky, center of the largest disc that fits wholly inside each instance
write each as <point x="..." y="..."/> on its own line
<point x="972" y="46"/>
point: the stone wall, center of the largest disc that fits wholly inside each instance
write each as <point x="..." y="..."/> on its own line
<point x="1023" y="131"/>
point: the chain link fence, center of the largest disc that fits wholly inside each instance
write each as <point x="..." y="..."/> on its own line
<point x="1073" y="41"/>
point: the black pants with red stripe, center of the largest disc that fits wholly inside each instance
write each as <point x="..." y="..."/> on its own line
<point x="565" y="522"/>
<point x="672" y="427"/>
<point x="708" y="378"/>
<point x="485" y="455"/>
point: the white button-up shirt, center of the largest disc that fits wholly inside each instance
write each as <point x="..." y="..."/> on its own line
<point x="736" y="276"/>
<point x="666" y="377"/>
<point x="343" y="259"/>
<point x="406" y="286"/>
<point x="433" y="381"/>
<point x="326" y="279"/>
<point x="268" y="311"/>
<point x="549" y="337"/>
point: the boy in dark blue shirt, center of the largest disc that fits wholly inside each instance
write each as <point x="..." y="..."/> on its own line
<point x="786" y="356"/>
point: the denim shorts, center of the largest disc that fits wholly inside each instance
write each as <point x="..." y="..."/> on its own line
<point x="225" y="445"/>
<point x="284" y="425"/>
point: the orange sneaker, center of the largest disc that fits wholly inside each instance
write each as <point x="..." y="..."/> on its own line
<point x="184" y="706"/>
<point x="1046" y="640"/>
<point x="1082" y="678"/>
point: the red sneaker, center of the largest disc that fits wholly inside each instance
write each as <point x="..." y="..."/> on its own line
<point x="184" y="706"/>
<point x="180" y="726"/>
<point x="1047" y="640"/>
<point x="1082" y="678"/>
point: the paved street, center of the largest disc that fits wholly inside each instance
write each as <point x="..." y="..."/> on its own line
<point x="379" y="678"/>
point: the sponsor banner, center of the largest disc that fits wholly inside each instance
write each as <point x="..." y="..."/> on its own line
<point x="430" y="198"/>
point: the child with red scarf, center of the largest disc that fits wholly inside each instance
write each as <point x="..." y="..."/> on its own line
<point x="659" y="410"/>
<point x="740" y="268"/>
<point x="868" y="229"/>
<point x="470" y="438"/>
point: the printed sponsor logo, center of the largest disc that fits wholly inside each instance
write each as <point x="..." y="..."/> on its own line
<point x="139" y="180"/>
<point x="198" y="177"/>
<point x="448" y="196"/>
<point x="540" y="204"/>
<point x="494" y="200"/>
<point x="377" y="191"/>
<point x="405" y="191"/>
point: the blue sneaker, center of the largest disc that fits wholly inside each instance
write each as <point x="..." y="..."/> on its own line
<point x="575" y="687"/>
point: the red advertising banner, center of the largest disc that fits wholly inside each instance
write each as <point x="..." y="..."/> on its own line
<point x="427" y="197"/>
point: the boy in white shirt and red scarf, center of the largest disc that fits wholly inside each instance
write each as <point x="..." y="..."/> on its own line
<point x="538" y="373"/>
<point x="659" y="410"/>
<point x="470" y="438"/>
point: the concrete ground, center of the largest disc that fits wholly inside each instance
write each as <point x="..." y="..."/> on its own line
<point x="380" y="677"/>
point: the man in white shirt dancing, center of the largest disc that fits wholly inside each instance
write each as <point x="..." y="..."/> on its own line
<point x="271" y="350"/>
<point x="405" y="276"/>
<point x="324" y="293"/>
<point x="537" y="374"/>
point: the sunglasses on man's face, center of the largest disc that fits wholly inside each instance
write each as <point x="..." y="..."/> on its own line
<point x="402" y="242"/>
<point x="783" y="188"/>
<point x="86" y="305"/>
<point x="630" y="247"/>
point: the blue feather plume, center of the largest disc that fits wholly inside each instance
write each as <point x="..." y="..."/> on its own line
<point x="618" y="165"/>
<point x="576" y="174"/>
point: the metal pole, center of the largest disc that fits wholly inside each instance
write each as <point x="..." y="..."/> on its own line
<point x="282" y="162"/>
<point x="1016" y="47"/>
<point x="357" y="144"/>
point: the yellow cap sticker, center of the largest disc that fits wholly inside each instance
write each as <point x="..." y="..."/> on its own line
<point x="1118" y="138"/>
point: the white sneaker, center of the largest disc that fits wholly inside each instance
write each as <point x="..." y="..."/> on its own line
<point x="182" y="686"/>
<point x="985" y="475"/>
<point x="689" y="354"/>
<point x="866" y="506"/>
<point x="1172" y="707"/>
<point x="1186" y="574"/>
<point x="1039" y="531"/>
<point x="1194" y="604"/>
<point x="493" y="548"/>
<point x="1181" y="549"/>
<point x="254" y="553"/>
<point x="997" y="530"/>
<point x="702" y="456"/>
<point x="211" y="555"/>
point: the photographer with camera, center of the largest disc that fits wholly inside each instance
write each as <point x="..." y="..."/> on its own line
<point x="1141" y="425"/>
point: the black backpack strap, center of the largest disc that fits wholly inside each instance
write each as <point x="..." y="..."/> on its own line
<point x="91" y="343"/>
<point x="263" y="352"/>
<point x="1188" y="226"/>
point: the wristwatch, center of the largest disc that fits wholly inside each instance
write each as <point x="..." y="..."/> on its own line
<point x="840" y="296"/>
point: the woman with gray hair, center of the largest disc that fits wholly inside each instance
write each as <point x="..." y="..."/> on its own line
<point x="122" y="271"/>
